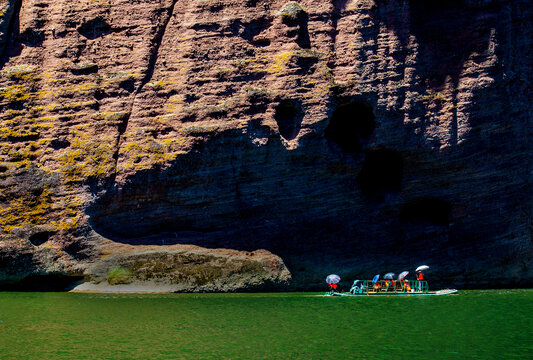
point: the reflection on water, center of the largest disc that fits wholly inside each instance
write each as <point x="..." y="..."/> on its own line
<point x="494" y="324"/>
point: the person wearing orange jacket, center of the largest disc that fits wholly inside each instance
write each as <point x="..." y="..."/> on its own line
<point x="332" y="287"/>
<point x="420" y="278"/>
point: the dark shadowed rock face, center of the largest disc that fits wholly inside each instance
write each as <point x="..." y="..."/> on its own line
<point x="348" y="136"/>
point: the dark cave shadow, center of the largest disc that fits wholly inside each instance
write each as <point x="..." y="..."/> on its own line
<point x="251" y="197"/>
<point x="196" y="201"/>
<point x="246" y="207"/>
<point x="44" y="283"/>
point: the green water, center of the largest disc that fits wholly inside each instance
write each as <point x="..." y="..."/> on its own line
<point x="495" y="324"/>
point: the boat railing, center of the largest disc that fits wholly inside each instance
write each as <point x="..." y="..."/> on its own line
<point x="367" y="287"/>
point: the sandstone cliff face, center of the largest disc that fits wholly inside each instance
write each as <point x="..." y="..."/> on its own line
<point x="349" y="136"/>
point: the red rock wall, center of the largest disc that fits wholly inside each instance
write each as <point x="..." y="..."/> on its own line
<point x="343" y="136"/>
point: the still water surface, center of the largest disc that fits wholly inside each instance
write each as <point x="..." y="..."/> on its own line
<point x="496" y="324"/>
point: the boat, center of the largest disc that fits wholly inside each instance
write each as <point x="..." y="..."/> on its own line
<point x="391" y="288"/>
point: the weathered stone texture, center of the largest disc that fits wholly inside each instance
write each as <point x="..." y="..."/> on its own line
<point x="349" y="136"/>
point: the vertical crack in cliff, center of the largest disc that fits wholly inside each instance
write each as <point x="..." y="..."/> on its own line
<point x="338" y="7"/>
<point x="158" y="39"/>
<point x="11" y="22"/>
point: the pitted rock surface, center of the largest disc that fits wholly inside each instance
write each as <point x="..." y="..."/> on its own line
<point x="346" y="136"/>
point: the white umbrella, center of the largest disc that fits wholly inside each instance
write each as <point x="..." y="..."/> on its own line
<point x="333" y="279"/>
<point x="422" y="268"/>
<point x="403" y="275"/>
<point x="389" y="276"/>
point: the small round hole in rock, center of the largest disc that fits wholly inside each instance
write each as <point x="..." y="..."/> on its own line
<point x="382" y="171"/>
<point x="39" y="238"/>
<point x="59" y="143"/>
<point x="350" y="123"/>
<point x="426" y="209"/>
<point x="289" y="115"/>
<point x="94" y="28"/>
<point x="127" y="85"/>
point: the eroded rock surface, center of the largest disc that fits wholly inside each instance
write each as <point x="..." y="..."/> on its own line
<point x="347" y="136"/>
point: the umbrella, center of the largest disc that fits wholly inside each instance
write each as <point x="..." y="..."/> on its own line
<point x="422" y="268"/>
<point x="375" y="279"/>
<point x="333" y="279"/>
<point x="403" y="275"/>
<point x="389" y="276"/>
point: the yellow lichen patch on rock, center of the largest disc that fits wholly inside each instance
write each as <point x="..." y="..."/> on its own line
<point x="15" y="94"/>
<point x="87" y="157"/>
<point x="47" y="205"/>
<point x="21" y="73"/>
<point x="150" y="153"/>
<point x="26" y="210"/>
<point x="281" y="61"/>
<point x="19" y="128"/>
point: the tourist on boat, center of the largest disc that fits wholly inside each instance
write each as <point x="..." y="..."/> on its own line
<point x="406" y="286"/>
<point x="332" y="281"/>
<point x="420" y="278"/>
<point x="389" y="281"/>
<point x="357" y="287"/>
<point x="403" y="283"/>
<point x="375" y="284"/>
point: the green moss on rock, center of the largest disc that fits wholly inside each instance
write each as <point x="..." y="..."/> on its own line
<point x="292" y="11"/>
<point x="119" y="275"/>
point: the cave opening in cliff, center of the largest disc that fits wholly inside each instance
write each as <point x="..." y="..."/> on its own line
<point x="94" y="28"/>
<point x="44" y="283"/>
<point x="350" y="124"/>
<point x="39" y="238"/>
<point x="289" y="115"/>
<point x="382" y="172"/>
<point x="426" y="210"/>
